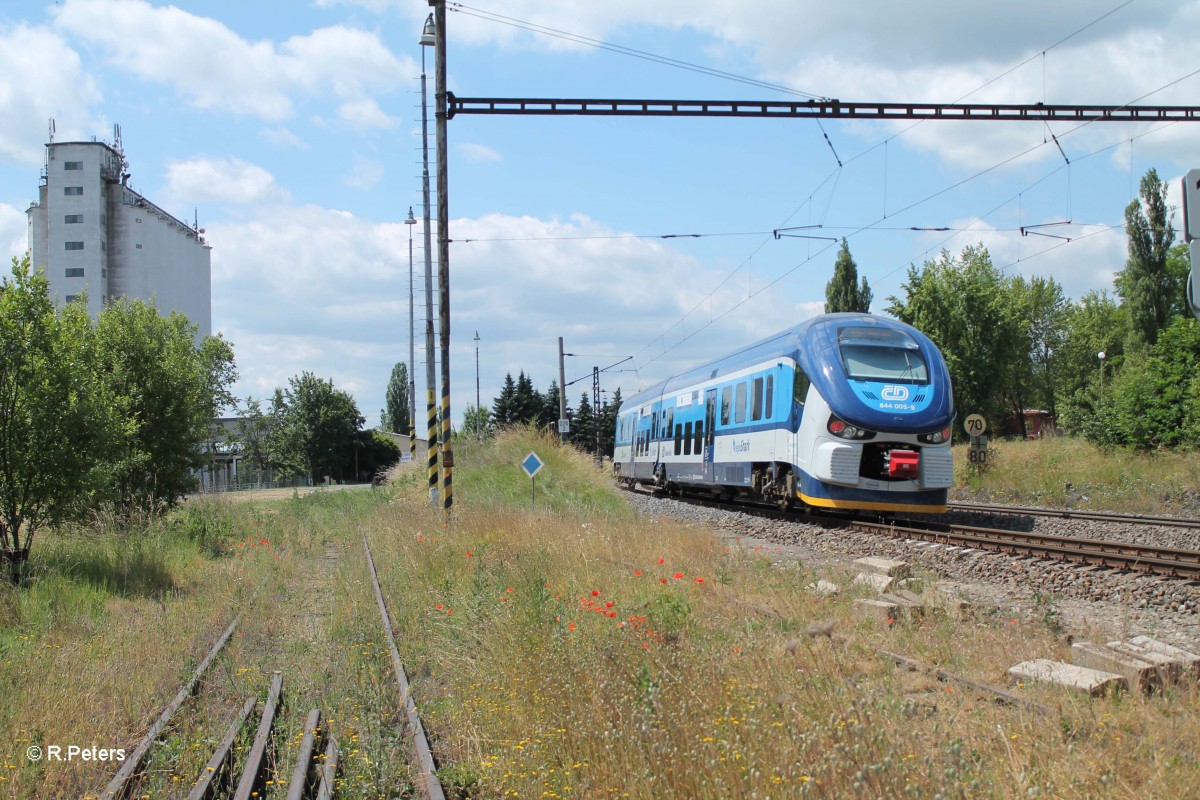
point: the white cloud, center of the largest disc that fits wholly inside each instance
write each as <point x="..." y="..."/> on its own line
<point x="14" y="235"/>
<point x="323" y="290"/>
<point x="1086" y="258"/>
<point x="216" y="69"/>
<point x="283" y="137"/>
<point x="222" y="180"/>
<point x="478" y="152"/>
<point x="31" y="94"/>
<point x="364" y="173"/>
<point x="365" y="113"/>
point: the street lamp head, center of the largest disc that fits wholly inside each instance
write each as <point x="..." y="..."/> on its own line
<point x="411" y="219"/>
<point x="1100" y="355"/>
<point x="429" y="35"/>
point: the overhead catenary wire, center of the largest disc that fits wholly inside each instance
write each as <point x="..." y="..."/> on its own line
<point x="835" y="174"/>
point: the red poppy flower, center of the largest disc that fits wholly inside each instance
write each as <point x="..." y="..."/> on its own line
<point x="595" y="592"/>
<point x="662" y="580"/>
<point x="637" y="573"/>
<point x="660" y="561"/>
<point x="699" y="580"/>
<point x="678" y="575"/>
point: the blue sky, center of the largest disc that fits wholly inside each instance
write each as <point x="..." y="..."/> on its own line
<point x="292" y="130"/>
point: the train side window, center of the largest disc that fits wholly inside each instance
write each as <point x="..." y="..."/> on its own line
<point x="670" y="422"/>
<point x="678" y="439"/>
<point x="800" y="386"/>
<point x="699" y="445"/>
<point x="770" y="395"/>
<point x="726" y="404"/>
<point x="687" y="438"/>
<point x="756" y="399"/>
<point x="740" y="416"/>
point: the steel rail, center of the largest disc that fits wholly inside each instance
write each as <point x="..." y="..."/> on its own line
<point x="1141" y="558"/>
<point x="1128" y="556"/>
<point x="432" y="787"/>
<point x="1098" y="516"/>
<point x="248" y="785"/>
<point x="329" y="770"/>
<point x="213" y="777"/>
<point x="120" y="784"/>
<point x="300" y="775"/>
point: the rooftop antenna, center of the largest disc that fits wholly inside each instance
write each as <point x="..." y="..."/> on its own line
<point x="52" y="131"/>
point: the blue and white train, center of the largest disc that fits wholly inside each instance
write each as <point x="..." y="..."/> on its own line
<point x="843" y="411"/>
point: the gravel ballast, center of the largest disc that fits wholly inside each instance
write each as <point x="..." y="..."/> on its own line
<point x="1110" y="602"/>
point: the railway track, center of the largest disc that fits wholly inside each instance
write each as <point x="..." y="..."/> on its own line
<point x="1163" y="561"/>
<point x="1096" y="516"/>
<point x="243" y="768"/>
<point x="1125" y="556"/>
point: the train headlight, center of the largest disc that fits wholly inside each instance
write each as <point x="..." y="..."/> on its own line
<point x="937" y="437"/>
<point x="845" y="430"/>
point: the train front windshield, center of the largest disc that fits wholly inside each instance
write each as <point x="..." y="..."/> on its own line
<point x="881" y="355"/>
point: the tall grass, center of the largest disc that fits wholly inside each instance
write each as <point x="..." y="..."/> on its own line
<point x="573" y="650"/>
<point x="1070" y="472"/>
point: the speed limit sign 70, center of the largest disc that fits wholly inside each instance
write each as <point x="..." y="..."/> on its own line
<point x="975" y="425"/>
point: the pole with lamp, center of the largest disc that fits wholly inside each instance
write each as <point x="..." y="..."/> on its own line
<point x="1101" y="355"/>
<point x="428" y="39"/>
<point x="412" y="351"/>
<point x="441" y="113"/>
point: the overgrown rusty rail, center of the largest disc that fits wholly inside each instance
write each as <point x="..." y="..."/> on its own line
<point x="431" y="787"/>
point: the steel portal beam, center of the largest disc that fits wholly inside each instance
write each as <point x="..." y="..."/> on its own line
<point x="814" y="109"/>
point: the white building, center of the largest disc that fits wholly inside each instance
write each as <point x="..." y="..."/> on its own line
<point x="90" y="230"/>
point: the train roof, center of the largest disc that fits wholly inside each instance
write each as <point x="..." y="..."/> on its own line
<point x="812" y="343"/>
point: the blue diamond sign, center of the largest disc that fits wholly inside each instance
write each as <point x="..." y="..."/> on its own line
<point x="532" y="464"/>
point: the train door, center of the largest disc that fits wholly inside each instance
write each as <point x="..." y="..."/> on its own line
<point x="710" y="425"/>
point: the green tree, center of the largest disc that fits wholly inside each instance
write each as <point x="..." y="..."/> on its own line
<point x="169" y="391"/>
<point x="322" y="422"/>
<point x="476" y="419"/>
<point x="56" y="420"/>
<point x="527" y="402"/>
<point x="843" y="292"/>
<point x="967" y="307"/>
<point x="253" y="435"/>
<point x="583" y="425"/>
<point x="396" y="418"/>
<point x="1146" y="285"/>
<point x="285" y="451"/>
<point x="549" y="412"/>
<point x="1096" y="324"/>
<point x="1154" y="401"/>
<point x="608" y="423"/>
<point x="374" y="454"/>
<point x="503" y="408"/>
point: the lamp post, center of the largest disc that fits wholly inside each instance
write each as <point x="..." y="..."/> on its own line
<point x="1101" y="356"/>
<point x="412" y="352"/>
<point x="478" y="435"/>
<point x="427" y="39"/>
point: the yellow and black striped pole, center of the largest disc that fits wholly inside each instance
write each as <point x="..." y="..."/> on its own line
<point x="443" y="223"/>
<point x="432" y="455"/>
